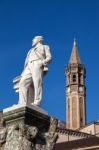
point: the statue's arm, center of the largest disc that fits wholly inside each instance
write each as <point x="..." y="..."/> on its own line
<point x="48" y="56"/>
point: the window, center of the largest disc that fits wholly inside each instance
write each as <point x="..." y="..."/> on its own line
<point x="74" y="78"/>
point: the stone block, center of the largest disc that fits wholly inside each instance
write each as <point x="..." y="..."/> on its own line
<point x="28" y="114"/>
<point x="27" y="128"/>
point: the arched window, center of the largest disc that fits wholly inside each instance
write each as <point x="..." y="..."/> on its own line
<point x="74" y="78"/>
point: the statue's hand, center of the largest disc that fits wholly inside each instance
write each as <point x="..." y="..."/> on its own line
<point x="44" y="62"/>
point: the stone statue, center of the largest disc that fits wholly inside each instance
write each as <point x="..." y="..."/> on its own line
<point x="35" y="67"/>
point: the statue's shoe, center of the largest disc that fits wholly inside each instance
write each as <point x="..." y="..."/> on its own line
<point x="36" y="104"/>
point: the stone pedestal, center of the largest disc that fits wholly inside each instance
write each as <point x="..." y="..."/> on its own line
<point x="27" y="114"/>
<point x="27" y="128"/>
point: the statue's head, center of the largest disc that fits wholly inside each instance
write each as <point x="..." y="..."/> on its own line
<point x="36" y="40"/>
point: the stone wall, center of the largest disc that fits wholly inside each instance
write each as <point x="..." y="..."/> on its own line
<point x="27" y="129"/>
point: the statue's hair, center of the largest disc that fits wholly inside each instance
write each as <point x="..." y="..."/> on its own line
<point x="40" y="38"/>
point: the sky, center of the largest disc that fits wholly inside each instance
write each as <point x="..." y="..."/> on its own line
<point x="59" y="22"/>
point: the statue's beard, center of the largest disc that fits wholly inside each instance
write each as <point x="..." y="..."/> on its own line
<point x="33" y="44"/>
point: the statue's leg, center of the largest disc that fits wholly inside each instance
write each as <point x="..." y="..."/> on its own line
<point x="37" y="75"/>
<point x="24" y="84"/>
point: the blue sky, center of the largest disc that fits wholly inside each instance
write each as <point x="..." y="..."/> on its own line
<point x="59" y="21"/>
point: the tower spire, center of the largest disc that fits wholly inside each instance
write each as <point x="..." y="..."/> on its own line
<point x="75" y="44"/>
<point x="74" y="59"/>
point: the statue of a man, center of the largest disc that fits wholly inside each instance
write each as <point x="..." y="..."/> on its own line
<point x="35" y="64"/>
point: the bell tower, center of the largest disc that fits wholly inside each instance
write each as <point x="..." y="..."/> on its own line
<point x="75" y="91"/>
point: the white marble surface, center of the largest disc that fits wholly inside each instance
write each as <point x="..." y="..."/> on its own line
<point x="36" y="108"/>
<point x="36" y="62"/>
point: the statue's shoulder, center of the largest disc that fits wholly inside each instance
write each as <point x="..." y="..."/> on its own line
<point x="46" y="47"/>
<point x="30" y="50"/>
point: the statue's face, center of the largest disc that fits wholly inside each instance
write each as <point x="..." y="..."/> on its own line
<point x="35" y="41"/>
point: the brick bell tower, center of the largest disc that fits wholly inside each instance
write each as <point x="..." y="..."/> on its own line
<point x="75" y="91"/>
